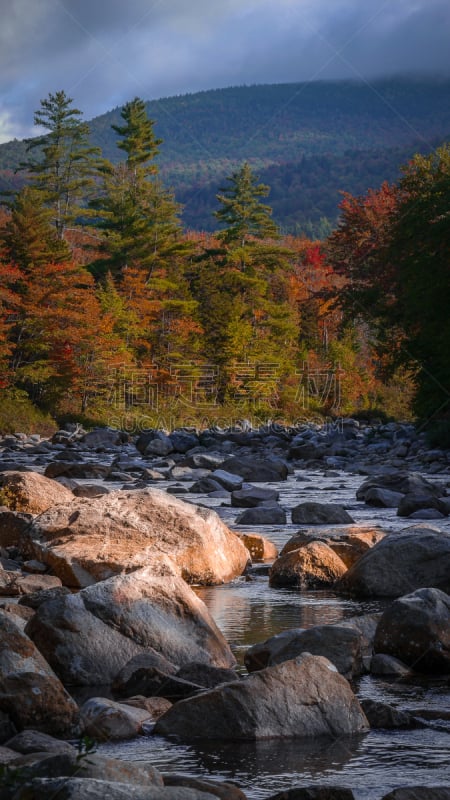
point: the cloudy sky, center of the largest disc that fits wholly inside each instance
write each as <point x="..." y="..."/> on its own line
<point x="104" y="52"/>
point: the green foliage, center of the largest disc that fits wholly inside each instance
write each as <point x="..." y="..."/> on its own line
<point x="17" y="413"/>
<point x="307" y="141"/>
<point x="66" y="163"/>
<point x="136" y="214"/>
<point x="241" y="210"/>
<point x="29" y="239"/>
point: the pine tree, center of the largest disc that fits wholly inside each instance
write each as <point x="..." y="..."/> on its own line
<point x="66" y="163"/>
<point x="138" y="216"/>
<point x="29" y="239"/>
<point x="242" y="211"/>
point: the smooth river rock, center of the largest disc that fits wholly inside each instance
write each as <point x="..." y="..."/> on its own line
<point x="90" y="636"/>
<point x="30" y="692"/>
<point x="304" y="697"/>
<point x="341" y="644"/>
<point x="312" y="566"/>
<point x="416" y="630"/>
<point x="414" y="558"/>
<point x="31" y="492"/>
<point x="89" y="540"/>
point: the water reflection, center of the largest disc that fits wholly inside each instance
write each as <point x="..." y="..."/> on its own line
<point x="250" y="612"/>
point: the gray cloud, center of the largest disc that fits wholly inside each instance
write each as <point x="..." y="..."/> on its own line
<point x="102" y="52"/>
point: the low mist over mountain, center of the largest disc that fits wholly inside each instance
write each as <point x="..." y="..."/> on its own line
<point x="308" y="141"/>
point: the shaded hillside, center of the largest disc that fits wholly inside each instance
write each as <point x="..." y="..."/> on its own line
<point x="324" y="136"/>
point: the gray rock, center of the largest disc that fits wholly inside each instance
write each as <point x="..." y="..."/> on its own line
<point x="153" y="682"/>
<point x="427" y="513"/>
<point x="31" y="741"/>
<point x="416" y="629"/>
<point x="257" y="471"/>
<point x="382" y="498"/>
<point x="7" y="756"/>
<point x="104" y="719"/>
<point x="91" y="789"/>
<point x="410" y="503"/>
<point x="253" y="496"/>
<point x="342" y="645"/>
<point x="183" y="441"/>
<point x="263" y="515"/>
<point x="206" y="675"/>
<point x="415" y="557"/>
<point x="403" y="482"/>
<point x="150" y="658"/>
<point x="305" y="697"/>
<point x="382" y="664"/>
<point x="382" y="715"/>
<point x="30" y="693"/>
<point x="205" y="486"/>
<point x="228" y="480"/>
<point x="90" y="765"/>
<point x="124" y="617"/>
<point x="103" y="437"/>
<point x="320" y="514"/>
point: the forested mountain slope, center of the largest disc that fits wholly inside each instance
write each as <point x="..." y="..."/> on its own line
<point x="307" y="140"/>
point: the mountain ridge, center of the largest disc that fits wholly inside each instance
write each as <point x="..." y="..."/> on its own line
<point x="319" y="138"/>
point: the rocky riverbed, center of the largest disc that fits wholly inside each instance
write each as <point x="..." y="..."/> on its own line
<point x="135" y="570"/>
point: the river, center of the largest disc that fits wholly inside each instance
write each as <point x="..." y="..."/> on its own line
<point x="248" y="611"/>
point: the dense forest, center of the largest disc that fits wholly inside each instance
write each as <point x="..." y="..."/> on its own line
<point x="308" y="141"/>
<point x="111" y="311"/>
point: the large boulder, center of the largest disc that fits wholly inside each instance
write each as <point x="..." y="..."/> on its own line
<point x="349" y="543"/>
<point x="312" y="566"/>
<point x="401" y="482"/>
<point x="123" y="617"/>
<point x="89" y="540"/>
<point x="414" y="558"/>
<point x="416" y="630"/>
<point x="32" y="493"/>
<point x="30" y="692"/>
<point x="341" y="644"/>
<point x="95" y="789"/>
<point x="305" y="697"/>
<point x="86" y="765"/>
<point x="320" y="514"/>
<point x="257" y="470"/>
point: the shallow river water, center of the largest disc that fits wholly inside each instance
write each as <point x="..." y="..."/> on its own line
<point x="248" y="611"/>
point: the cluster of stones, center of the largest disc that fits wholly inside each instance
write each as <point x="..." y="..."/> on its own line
<point x="102" y="582"/>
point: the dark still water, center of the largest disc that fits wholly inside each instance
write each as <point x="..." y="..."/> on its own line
<point x="248" y="611"/>
<point x="371" y="765"/>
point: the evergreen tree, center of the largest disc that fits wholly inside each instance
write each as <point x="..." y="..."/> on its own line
<point x="242" y="211"/>
<point x="138" y="216"/>
<point x="29" y="239"/>
<point x="66" y="163"/>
